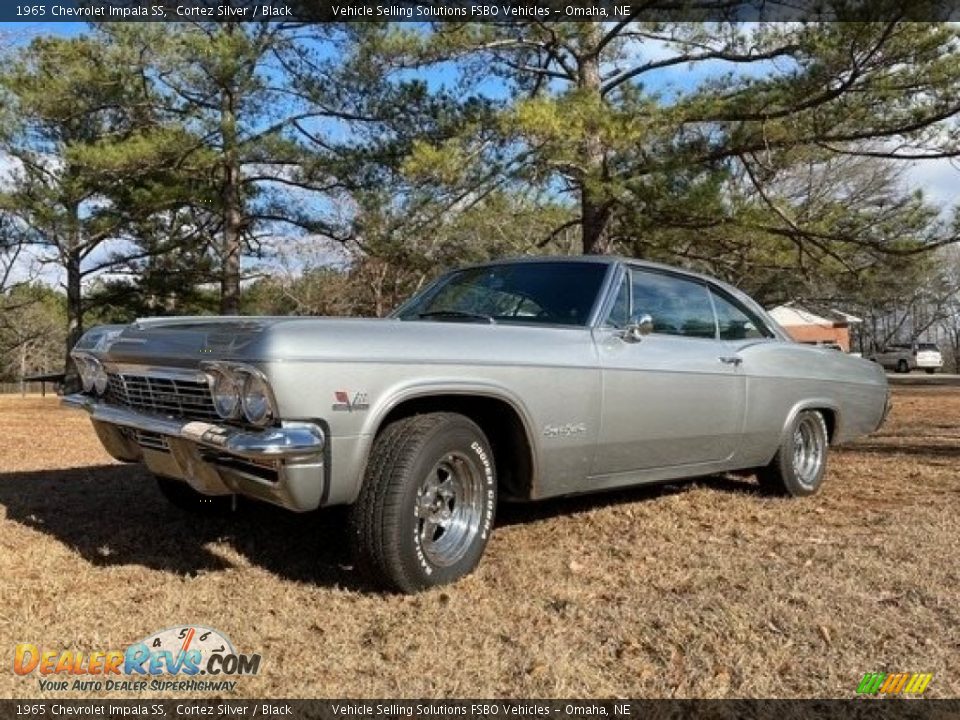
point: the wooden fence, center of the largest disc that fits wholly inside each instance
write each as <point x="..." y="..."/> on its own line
<point x="31" y="388"/>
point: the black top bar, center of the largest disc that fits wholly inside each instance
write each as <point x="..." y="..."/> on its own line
<point x="34" y="11"/>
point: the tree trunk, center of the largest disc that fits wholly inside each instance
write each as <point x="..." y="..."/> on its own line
<point x="595" y="216"/>
<point x="74" y="314"/>
<point x="23" y="369"/>
<point x="594" y="205"/>
<point x="232" y="215"/>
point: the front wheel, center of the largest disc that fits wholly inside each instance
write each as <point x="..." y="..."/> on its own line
<point x="931" y="371"/>
<point x="427" y="504"/>
<point x="800" y="464"/>
<point x="903" y="366"/>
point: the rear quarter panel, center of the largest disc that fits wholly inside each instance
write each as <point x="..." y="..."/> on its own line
<point x="784" y="378"/>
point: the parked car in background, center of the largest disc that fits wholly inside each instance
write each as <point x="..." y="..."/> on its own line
<point x="521" y="379"/>
<point x="903" y="358"/>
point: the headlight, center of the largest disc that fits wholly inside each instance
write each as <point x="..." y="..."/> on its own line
<point x="257" y="405"/>
<point x="226" y="394"/>
<point x="92" y="374"/>
<point x="240" y="390"/>
<point x="85" y="368"/>
<point x="100" y="377"/>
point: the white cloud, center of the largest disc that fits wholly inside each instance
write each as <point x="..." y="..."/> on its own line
<point x="8" y="166"/>
<point x="31" y="266"/>
<point x="938" y="179"/>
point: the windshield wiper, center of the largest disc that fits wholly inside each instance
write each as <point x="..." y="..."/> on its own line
<point x="457" y="315"/>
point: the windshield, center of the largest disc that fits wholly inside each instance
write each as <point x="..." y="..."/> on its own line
<point x="549" y="293"/>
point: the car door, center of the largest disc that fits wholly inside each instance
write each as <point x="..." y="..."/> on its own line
<point x="676" y="396"/>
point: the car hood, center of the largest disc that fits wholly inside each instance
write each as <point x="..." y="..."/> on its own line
<point x="186" y="341"/>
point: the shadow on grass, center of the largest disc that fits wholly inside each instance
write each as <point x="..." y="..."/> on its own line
<point x="518" y="513"/>
<point x="928" y="450"/>
<point x="115" y="515"/>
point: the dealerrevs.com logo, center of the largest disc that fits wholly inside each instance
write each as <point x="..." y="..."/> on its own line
<point x="186" y="658"/>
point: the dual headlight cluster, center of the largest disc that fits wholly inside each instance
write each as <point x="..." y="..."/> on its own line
<point x="93" y="375"/>
<point x="240" y="390"/>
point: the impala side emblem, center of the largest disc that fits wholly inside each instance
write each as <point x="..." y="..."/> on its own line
<point x="552" y="431"/>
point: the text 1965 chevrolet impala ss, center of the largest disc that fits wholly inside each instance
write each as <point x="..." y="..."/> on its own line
<point x="520" y="379"/>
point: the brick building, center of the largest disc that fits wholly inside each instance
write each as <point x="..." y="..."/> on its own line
<point x="807" y="327"/>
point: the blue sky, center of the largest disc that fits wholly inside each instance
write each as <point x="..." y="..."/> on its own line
<point x="20" y="32"/>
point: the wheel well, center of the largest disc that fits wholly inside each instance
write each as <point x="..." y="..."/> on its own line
<point x="830" y="418"/>
<point x="501" y="424"/>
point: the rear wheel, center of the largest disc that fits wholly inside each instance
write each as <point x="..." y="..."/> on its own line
<point x="798" y="468"/>
<point x="181" y="495"/>
<point x="931" y="371"/>
<point x="427" y="503"/>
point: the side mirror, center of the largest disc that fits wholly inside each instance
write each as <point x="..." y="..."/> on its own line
<point x="638" y="327"/>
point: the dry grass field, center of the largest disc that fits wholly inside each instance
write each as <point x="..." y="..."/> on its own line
<point x="702" y="589"/>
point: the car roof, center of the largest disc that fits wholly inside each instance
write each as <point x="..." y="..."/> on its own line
<point x="599" y="259"/>
<point x="609" y="260"/>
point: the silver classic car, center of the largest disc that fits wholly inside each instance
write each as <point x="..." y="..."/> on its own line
<point x="521" y="379"/>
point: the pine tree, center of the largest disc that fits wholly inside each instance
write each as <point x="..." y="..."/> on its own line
<point x="588" y="111"/>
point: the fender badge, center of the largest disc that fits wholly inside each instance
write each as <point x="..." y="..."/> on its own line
<point x="343" y="402"/>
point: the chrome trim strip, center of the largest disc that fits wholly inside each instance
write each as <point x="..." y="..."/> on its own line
<point x="164" y="373"/>
<point x="608" y="295"/>
<point x="291" y="440"/>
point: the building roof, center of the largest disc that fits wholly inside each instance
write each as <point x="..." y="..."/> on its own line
<point x="792" y="314"/>
<point x="847" y="317"/>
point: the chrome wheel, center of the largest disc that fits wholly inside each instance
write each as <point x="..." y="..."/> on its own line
<point x="449" y="509"/>
<point x="809" y="449"/>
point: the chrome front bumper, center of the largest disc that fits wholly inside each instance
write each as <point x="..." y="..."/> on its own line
<point x="282" y="465"/>
<point x="293" y="440"/>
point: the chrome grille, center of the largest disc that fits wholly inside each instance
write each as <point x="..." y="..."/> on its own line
<point x="170" y="397"/>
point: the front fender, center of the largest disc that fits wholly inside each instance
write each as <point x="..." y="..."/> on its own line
<point x="419" y="389"/>
<point x="350" y="454"/>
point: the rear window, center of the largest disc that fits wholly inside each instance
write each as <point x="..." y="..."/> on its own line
<point x="928" y="346"/>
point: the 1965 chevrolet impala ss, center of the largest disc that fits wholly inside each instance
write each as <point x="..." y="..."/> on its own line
<point x="520" y="379"/>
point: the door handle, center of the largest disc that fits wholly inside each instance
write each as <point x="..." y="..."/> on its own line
<point x="730" y="359"/>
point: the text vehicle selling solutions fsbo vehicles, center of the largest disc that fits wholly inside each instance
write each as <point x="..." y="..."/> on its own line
<point x="520" y="379"/>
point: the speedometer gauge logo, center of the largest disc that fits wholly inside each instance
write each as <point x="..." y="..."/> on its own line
<point x="191" y="650"/>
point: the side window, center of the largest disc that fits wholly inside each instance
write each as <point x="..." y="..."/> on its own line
<point x="736" y="322"/>
<point x="677" y="306"/>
